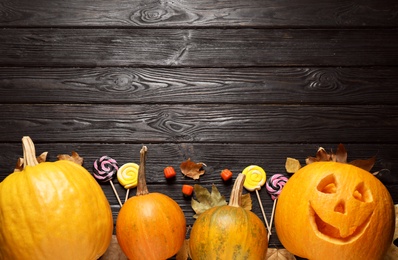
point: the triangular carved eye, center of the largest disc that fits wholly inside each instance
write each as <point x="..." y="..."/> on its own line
<point x="328" y="184"/>
<point x="362" y="193"/>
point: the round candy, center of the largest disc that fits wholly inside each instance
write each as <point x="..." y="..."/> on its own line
<point x="105" y="168"/>
<point x="127" y="175"/>
<point x="275" y="185"/>
<point x="255" y="177"/>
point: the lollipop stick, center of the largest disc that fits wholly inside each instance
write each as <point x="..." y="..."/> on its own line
<point x="272" y="218"/>
<point x="117" y="196"/>
<point x="273" y="213"/>
<point x="262" y="210"/>
<point x="127" y="195"/>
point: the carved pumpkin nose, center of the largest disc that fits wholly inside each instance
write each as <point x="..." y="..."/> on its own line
<point x="340" y="207"/>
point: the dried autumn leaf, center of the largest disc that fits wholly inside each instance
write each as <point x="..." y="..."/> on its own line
<point x="74" y="158"/>
<point x="42" y="157"/>
<point x="246" y="201"/>
<point x="367" y="164"/>
<point x="205" y="199"/>
<point x="19" y="165"/>
<point x="192" y="169"/>
<point x="341" y="154"/>
<point x="279" y="254"/>
<point x="321" y="155"/>
<point x="292" y="165"/>
<point x="183" y="253"/>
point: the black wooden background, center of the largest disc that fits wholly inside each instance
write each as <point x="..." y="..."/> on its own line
<point x="227" y="83"/>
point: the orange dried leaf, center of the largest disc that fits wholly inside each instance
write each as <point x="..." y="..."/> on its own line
<point x="279" y="254"/>
<point x="74" y="158"/>
<point x="292" y="165"/>
<point x="192" y="169"/>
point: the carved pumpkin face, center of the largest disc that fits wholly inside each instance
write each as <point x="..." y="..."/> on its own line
<point x="330" y="210"/>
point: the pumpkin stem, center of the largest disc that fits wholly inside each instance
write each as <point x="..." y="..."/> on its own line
<point x="29" y="153"/>
<point x="236" y="194"/>
<point x="141" y="186"/>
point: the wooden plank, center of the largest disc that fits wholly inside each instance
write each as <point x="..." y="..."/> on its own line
<point x="153" y="13"/>
<point x="197" y="47"/>
<point x="275" y="85"/>
<point x="199" y="123"/>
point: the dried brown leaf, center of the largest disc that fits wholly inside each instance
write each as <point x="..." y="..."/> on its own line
<point x="292" y="165"/>
<point x="192" y="169"/>
<point x="74" y="158"/>
<point x="205" y="199"/>
<point x="42" y="157"/>
<point x="367" y="164"/>
<point x="183" y="253"/>
<point x="246" y="201"/>
<point x="279" y="254"/>
<point x="341" y="154"/>
<point x="19" y="165"/>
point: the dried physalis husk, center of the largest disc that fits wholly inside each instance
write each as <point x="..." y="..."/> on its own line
<point x="292" y="165"/>
<point x="192" y="169"/>
<point x="74" y="158"/>
<point x="279" y="254"/>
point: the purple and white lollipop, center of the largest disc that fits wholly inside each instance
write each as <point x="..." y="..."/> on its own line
<point x="104" y="169"/>
<point x="274" y="186"/>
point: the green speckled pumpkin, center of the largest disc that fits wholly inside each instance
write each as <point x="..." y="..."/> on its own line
<point x="229" y="232"/>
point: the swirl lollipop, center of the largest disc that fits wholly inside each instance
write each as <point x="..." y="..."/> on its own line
<point x="255" y="178"/>
<point x="104" y="169"/>
<point x="127" y="175"/>
<point x="274" y="186"/>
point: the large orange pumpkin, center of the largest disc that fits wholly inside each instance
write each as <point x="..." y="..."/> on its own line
<point x="332" y="210"/>
<point x="229" y="232"/>
<point x="52" y="210"/>
<point x="150" y="226"/>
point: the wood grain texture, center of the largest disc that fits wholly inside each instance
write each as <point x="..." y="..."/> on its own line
<point x="199" y="123"/>
<point x="197" y="47"/>
<point x="263" y="85"/>
<point x="228" y="83"/>
<point x="226" y="13"/>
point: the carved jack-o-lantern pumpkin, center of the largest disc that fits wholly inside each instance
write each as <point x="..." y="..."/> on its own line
<point x="331" y="210"/>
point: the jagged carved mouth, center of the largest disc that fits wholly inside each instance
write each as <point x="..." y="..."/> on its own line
<point x="329" y="232"/>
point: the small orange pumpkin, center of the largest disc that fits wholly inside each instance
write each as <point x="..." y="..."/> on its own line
<point x="229" y="232"/>
<point x="52" y="210"/>
<point x="150" y="225"/>
<point x="332" y="210"/>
